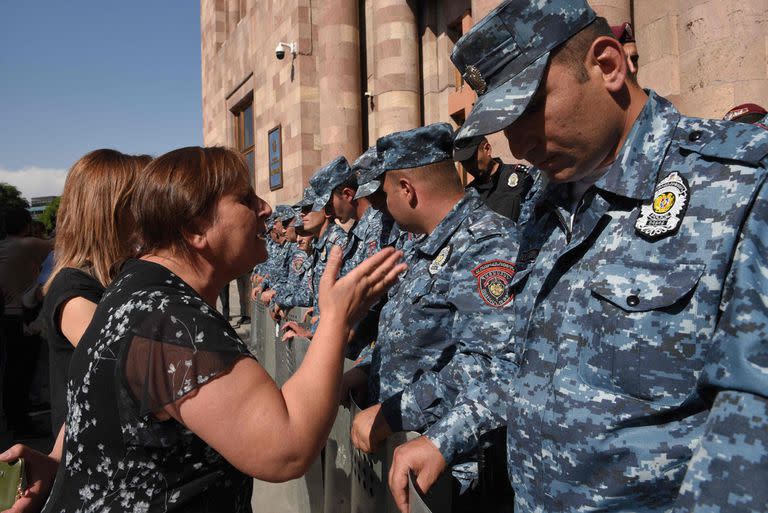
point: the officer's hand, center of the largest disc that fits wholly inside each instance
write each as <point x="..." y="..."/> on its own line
<point x="354" y="382"/>
<point x="41" y="471"/>
<point x="369" y="429"/>
<point x="267" y="296"/>
<point x="421" y="457"/>
<point x="255" y="293"/>
<point x="307" y="314"/>
<point x="292" y="329"/>
<point x="276" y="313"/>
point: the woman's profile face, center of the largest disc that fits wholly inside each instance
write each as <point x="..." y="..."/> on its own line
<point x="236" y="237"/>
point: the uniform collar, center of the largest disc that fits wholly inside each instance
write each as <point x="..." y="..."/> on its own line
<point x="361" y="226"/>
<point x="635" y="171"/>
<point x="321" y="240"/>
<point x="433" y="242"/>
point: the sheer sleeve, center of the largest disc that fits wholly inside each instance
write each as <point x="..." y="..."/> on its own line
<point x="174" y="352"/>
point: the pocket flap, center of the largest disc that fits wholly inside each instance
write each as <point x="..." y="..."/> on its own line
<point x="642" y="286"/>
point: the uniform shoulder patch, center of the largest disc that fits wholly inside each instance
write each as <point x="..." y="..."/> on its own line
<point x="298" y="263"/>
<point x="494" y="279"/>
<point x="372" y="247"/>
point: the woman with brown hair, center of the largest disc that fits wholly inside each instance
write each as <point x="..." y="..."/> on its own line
<point x="168" y="411"/>
<point x="94" y="225"/>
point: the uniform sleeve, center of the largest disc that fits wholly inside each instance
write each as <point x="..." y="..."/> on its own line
<point x="729" y="466"/>
<point x="296" y="290"/>
<point x="481" y="328"/>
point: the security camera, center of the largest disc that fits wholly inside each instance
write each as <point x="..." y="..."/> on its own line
<point x="282" y="47"/>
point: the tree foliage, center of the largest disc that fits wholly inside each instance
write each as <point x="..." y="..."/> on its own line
<point x="48" y="216"/>
<point x="11" y="197"/>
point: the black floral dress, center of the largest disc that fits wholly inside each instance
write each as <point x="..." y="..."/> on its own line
<point x="152" y="341"/>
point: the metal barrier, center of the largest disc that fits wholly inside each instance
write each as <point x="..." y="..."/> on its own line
<point x="346" y="480"/>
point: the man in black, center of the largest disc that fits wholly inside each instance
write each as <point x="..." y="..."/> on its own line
<point x="502" y="186"/>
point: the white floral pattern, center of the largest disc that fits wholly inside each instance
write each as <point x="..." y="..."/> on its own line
<point x="119" y="458"/>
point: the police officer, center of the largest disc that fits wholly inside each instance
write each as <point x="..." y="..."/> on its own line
<point x="281" y="250"/>
<point x="640" y="324"/>
<point x="502" y="186"/>
<point x="297" y="291"/>
<point x="286" y="215"/>
<point x="451" y="309"/>
<point x="319" y="220"/>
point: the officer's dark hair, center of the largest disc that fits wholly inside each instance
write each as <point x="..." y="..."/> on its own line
<point x="17" y="221"/>
<point x="350" y="182"/>
<point x="572" y="52"/>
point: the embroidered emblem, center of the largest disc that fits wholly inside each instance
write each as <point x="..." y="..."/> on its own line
<point x="513" y="180"/>
<point x="664" y="215"/>
<point x="297" y="263"/>
<point x="440" y="260"/>
<point x="371" y="247"/>
<point x="474" y="78"/>
<point x="493" y="282"/>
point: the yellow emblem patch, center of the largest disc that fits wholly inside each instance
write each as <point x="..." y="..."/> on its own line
<point x="664" y="202"/>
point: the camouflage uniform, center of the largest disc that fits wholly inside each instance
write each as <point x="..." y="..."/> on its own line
<point x="448" y="315"/>
<point x="297" y="291"/>
<point x="323" y="182"/>
<point x="450" y="311"/>
<point x="640" y="324"/>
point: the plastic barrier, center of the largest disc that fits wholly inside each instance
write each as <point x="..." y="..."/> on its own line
<point x="338" y="460"/>
<point x="347" y="480"/>
<point x="256" y="342"/>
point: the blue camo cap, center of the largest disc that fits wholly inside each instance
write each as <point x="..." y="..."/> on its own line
<point x="367" y="170"/>
<point x="284" y="213"/>
<point x="415" y="148"/>
<point x="503" y="58"/>
<point x="308" y="198"/>
<point x="327" y="178"/>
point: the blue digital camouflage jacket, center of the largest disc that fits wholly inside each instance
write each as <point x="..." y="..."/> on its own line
<point x="640" y="355"/>
<point x="449" y="314"/>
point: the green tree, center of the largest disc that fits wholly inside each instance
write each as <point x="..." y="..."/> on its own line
<point x="11" y="197"/>
<point x="48" y="216"/>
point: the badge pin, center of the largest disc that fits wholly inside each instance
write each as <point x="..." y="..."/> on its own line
<point x="474" y="78"/>
<point x="494" y="279"/>
<point x="665" y="213"/>
<point x="513" y="180"/>
<point x="440" y="260"/>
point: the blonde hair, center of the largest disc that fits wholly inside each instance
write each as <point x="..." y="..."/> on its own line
<point x="94" y="223"/>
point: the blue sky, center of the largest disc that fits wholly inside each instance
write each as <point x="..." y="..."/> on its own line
<point x="86" y="74"/>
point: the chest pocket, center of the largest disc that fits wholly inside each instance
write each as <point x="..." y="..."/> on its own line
<point x="646" y="342"/>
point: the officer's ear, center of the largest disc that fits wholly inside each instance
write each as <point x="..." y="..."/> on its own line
<point x="348" y="194"/>
<point x="409" y="191"/>
<point x="606" y="57"/>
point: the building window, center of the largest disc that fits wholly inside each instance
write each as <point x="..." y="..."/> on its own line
<point x="244" y="135"/>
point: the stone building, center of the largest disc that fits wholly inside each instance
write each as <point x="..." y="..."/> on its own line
<point x="354" y="70"/>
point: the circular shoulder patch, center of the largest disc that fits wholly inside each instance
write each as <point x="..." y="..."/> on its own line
<point x="494" y="280"/>
<point x="297" y="263"/>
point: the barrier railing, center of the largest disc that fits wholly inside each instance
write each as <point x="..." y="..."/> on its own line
<point x="344" y="479"/>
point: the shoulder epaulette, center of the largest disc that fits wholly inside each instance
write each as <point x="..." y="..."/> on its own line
<point x="487" y="224"/>
<point x="725" y="140"/>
